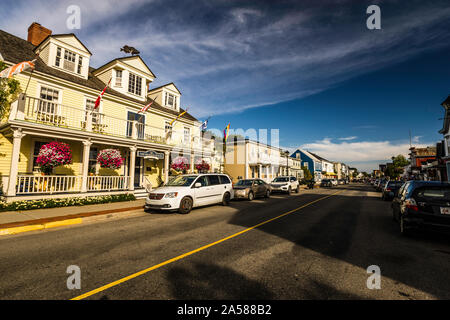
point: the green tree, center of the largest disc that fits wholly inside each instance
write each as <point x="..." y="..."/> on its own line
<point x="395" y="169"/>
<point x="9" y="91"/>
<point x="307" y="173"/>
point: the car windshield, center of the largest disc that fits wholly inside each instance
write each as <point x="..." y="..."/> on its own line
<point x="246" y="183"/>
<point x="281" y="179"/>
<point x="181" y="181"/>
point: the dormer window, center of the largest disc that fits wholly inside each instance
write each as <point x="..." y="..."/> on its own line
<point x="80" y="64"/>
<point x="69" y="60"/>
<point x="171" y="101"/>
<point x="58" y="57"/>
<point x="135" y="84"/>
<point x="118" y="78"/>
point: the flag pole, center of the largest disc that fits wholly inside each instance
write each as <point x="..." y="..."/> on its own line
<point x="29" y="78"/>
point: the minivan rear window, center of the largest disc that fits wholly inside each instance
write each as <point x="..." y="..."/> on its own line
<point x="214" y="180"/>
<point x="224" y="180"/>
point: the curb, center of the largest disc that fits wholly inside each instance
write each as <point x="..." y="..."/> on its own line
<point x="47" y="223"/>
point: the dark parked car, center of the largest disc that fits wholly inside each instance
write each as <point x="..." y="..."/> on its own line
<point x="422" y="204"/>
<point x="381" y="185"/>
<point x="390" y="189"/>
<point x="326" y="183"/>
<point x="251" y="189"/>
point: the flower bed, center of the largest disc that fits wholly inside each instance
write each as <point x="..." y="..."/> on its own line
<point x="65" y="202"/>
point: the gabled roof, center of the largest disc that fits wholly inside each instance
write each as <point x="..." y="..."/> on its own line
<point x="320" y="158"/>
<point x="308" y="154"/>
<point x="123" y="59"/>
<point x="165" y="85"/>
<point x="64" y="35"/>
<point x="15" y="50"/>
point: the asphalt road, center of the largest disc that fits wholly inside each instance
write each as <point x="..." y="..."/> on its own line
<point x="320" y="249"/>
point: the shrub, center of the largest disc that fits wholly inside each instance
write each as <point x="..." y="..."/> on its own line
<point x="65" y="202"/>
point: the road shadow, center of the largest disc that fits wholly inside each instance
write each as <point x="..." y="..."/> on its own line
<point x="360" y="231"/>
<point x="202" y="281"/>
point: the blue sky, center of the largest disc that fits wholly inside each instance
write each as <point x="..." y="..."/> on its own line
<point x="308" y="68"/>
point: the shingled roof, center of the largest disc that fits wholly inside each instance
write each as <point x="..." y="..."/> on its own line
<point x="15" y="50"/>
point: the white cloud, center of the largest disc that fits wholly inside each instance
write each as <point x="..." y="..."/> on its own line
<point x="348" y="138"/>
<point x="363" y="154"/>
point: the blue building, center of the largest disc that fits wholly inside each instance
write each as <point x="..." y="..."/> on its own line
<point x="311" y="162"/>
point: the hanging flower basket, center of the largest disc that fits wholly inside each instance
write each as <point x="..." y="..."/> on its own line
<point x="202" y="166"/>
<point x="110" y="159"/>
<point x="180" y="164"/>
<point x="52" y="155"/>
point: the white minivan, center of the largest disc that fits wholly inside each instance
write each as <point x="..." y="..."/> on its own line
<point x="187" y="191"/>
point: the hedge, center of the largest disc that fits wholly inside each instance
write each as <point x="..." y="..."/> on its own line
<point x="64" y="202"/>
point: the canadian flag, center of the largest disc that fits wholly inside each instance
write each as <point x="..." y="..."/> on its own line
<point x="97" y="102"/>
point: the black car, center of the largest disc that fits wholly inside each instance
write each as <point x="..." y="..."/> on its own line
<point x="390" y="189"/>
<point x="326" y="183"/>
<point x="422" y="204"/>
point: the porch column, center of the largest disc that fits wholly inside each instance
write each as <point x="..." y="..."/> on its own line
<point x="86" y="149"/>
<point x="259" y="171"/>
<point x="132" y="167"/>
<point x="166" y="166"/>
<point x="17" y="140"/>
<point x="246" y="160"/>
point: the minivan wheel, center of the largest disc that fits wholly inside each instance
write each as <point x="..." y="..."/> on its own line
<point x="298" y="189"/>
<point x="251" y="196"/>
<point x="289" y="191"/>
<point x="185" y="205"/>
<point x="226" y="199"/>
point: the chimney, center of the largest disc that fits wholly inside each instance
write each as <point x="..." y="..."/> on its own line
<point x="37" y="33"/>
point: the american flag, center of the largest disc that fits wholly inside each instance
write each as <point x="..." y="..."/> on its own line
<point x="97" y="102"/>
<point x="18" y="68"/>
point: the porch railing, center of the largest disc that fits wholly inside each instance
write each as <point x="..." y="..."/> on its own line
<point x="55" y="114"/>
<point x="107" y="183"/>
<point x="30" y="184"/>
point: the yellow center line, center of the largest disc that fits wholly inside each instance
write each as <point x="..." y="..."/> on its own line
<point x="137" y="274"/>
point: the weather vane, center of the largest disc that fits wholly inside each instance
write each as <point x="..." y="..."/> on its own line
<point x="131" y="50"/>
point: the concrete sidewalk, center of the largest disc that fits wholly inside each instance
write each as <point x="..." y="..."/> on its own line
<point x="12" y="222"/>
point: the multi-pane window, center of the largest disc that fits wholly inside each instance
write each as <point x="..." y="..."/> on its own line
<point x="49" y="106"/>
<point x="93" y="153"/>
<point x="171" y="100"/>
<point x="168" y="127"/>
<point x="90" y="110"/>
<point x="135" y="84"/>
<point x="69" y="60"/>
<point x="58" y="57"/>
<point x="80" y="64"/>
<point x="118" y="78"/>
<point x="37" y="148"/>
<point x="187" y="135"/>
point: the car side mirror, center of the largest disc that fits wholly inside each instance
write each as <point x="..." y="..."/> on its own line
<point x="198" y="185"/>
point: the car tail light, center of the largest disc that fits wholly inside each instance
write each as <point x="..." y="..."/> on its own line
<point x="411" y="204"/>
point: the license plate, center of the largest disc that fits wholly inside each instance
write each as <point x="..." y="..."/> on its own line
<point x="445" y="210"/>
